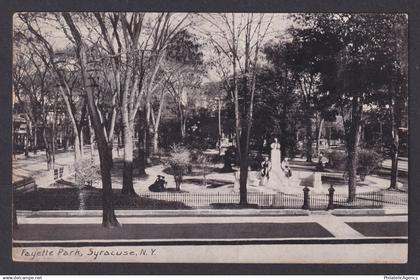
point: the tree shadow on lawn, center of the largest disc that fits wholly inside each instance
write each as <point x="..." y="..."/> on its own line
<point x="211" y="183"/>
<point x="117" y="171"/>
<point x="303" y="168"/>
<point x="234" y="206"/>
<point x="196" y="171"/>
<point x="173" y="190"/>
<point x="69" y="199"/>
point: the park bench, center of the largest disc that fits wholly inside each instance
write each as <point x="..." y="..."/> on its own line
<point x="25" y="185"/>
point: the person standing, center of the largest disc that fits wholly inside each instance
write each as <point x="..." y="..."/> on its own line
<point x="286" y="168"/>
<point x="265" y="171"/>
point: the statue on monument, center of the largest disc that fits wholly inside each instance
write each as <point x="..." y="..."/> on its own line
<point x="280" y="171"/>
<point x="275" y="155"/>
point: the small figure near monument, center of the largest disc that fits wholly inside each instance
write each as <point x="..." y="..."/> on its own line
<point x="286" y="167"/>
<point x="322" y="162"/>
<point x="265" y="171"/>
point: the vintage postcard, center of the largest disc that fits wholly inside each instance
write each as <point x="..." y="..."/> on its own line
<point x="210" y="137"/>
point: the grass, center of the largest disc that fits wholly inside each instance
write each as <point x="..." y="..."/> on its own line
<point x="70" y="199"/>
<point x="234" y="206"/>
<point x="211" y="183"/>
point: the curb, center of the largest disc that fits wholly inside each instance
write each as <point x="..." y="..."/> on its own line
<point x="167" y="213"/>
<point x="370" y="212"/>
<point x="213" y="212"/>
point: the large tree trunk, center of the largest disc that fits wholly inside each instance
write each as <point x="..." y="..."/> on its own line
<point x="148" y="131"/>
<point x="155" y="140"/>
<point x="78" y="155"/>
<point x="283" y="135"/>
<point x="108" y="214"/>
<point x="127" y="127"/>
<point x="352" y="168"/>
<point x="243" y="175"/>
<point x="142" y="158"/>
<point x="149" y="144"/>
<point x="318" y="135"/>
<point x="111" y="148"/>
<point x="183" y="130"/>
<point x="66" y="138"/>
<point x="181" y="121"/>
<point x="128" y="131"/>
<point x="53" y="146"/>
<point x="156" y="122"/>
<point x="394" y="168"/>
<point x="308" y="138"/>
<point x="54" y="135"/>
<point x="35" y="138"/>
<point x="27" y="137"/>
<point x="142" y="151"/>
<point x="128" y="187"/>
<point x="47" y="147"/>
<point x="394" y="147"/>
<point x="353" y="139"/>
<point x="91" y="140"/>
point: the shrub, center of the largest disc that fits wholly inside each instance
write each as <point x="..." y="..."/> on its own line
<point x="86" y="173"/>
<point x="228" y="159"/>
<point x="179" y="161"/>
<point x="337" y="160"/>
<point x="368" y="161"/>
<point x="255" y="161"/>
<point x="205" y="162"/>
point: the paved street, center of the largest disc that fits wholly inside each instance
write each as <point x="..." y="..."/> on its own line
<point x="82" y="229"/>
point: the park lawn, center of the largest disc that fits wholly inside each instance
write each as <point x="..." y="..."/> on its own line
<point x="87" y="199"/>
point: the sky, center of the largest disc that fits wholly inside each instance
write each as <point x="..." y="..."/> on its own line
<point x="274" y="25"/>
<point x="198" y="25"/>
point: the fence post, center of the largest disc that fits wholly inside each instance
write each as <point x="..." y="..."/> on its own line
<point x="305" y="198"/>
<point x="273" y="200"/>
<point x="331" y="197"/>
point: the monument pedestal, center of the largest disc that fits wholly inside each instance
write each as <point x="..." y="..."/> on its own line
<point x="317" y="181"/>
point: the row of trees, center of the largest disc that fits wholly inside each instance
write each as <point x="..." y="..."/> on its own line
<point x="327" y="65"/>
<point x="361" y="64"/>
<point x="112" y="67"/>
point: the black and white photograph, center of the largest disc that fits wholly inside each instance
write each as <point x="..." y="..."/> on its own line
<point x="175" y="137"/>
